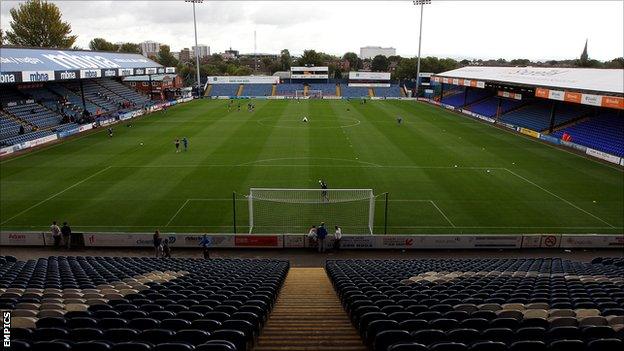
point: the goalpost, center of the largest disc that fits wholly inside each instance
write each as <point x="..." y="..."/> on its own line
<point x="274" y="210"/>
<point x="312" y="94"/>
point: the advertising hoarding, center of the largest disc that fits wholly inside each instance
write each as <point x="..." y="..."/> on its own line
<point x="243" y="80"/>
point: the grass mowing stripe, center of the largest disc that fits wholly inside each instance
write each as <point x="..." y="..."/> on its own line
<point x="442" y="213"/>
<point x="559" y="197"/>
<point x="57" y="194"/>
<point x="178" y="211"/>
<point x="390" y="226"/>
<point x="231" y="152"/>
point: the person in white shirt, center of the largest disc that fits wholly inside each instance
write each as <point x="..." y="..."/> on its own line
<point x="312" y="242"/>
<point x="337" y="238"/>
<point x="56" y="234"/>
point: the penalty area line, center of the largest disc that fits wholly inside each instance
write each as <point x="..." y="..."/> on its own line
<point x="57" y="194"/>
<point x="177" y="212"/>
<point x="186" y="203"/>
<point x="442" y="213"/>
<point x="559" y="197"/>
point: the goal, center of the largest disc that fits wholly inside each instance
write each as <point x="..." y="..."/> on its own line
<point x="273" y="210"/>
<point x="312" y="94"/>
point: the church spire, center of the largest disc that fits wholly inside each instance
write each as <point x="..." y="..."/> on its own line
<point x="584" y="56"/>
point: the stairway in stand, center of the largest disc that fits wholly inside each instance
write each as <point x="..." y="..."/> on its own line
<point x="308" y="316"/>
<point x="208" y="90"/>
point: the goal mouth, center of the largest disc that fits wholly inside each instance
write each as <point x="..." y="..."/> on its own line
<point x="310" y="93"/>
<point x="331" y="196"/>
<point x="297" y="210"/>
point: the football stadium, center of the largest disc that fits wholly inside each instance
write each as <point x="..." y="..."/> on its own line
<point x="153" y="200"/>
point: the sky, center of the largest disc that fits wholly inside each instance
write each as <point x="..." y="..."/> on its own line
<point x="537" y="30"/>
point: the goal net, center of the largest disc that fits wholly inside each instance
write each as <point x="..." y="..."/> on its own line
<point x="312" y="94"/>
<point x="296" y="210"/>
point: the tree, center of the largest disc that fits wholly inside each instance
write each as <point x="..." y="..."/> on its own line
<point x="394" y="58"/>
<point x="615" y="63"/>
<point x="215" y="58"/>
<point x="406" y="69"/>
<point x="310" y="58"/>
<point x="380" y="63"/>
<point x="1" y="37"/>
<point x="355" y="63"/>
<point x="464" y="62"/>
<point x="101" y="44"/>
<point x="131" y="48"/>
<point x="520" y="62"/>
<point x="436" y="65"/>
<point x="165" y="57"/>
<point x="38" y="23"/>
<point x="285" y="60"/>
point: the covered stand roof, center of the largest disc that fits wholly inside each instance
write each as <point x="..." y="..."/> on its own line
<point x="604" y="81"/>
<point x="19" y="65"/>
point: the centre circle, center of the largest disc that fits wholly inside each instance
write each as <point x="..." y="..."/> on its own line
<point x="313" y="121"/>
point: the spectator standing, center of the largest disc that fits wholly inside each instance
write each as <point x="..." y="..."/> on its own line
<point x="166" y="250"/>
<point x="56" y="234"/>
<point x="66" y="232"/>
<point x="205" y="244"/>
<point x="321" y="234"/>
<point x="337" y="238"/>
<point x="312" y="238"/>
<point x="157" y="243"/>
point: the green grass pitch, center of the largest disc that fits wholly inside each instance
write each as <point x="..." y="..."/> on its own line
<point x="103" y="184"/>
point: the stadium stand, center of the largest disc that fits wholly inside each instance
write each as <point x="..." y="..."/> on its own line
<point x="223" y="89"/>
<point x="536" y="116"/>
<point x="52" y="101"/>
<point x="9" y="126"/>
<point x="288" y="89"/>
<point x="124" y="92"/>
<point x="353" y="92"/>
<point x="457" y="100"/>
<point x="604" y="132"/>
<point x="489" y="106"/>
<point x="34" y="114"/>
<point x="392" y="91"/>
<point x="96" y="94"/>
<point x="48" y="111"/>
<point x="257" y="89"/>
<point x="483" y="304"/>
<point x="69" y="95"/>
<point x="143" y="304"/>
<point x="326" y="88"/>
<point x="26" y="137"/>
<point x="8" y="94"/>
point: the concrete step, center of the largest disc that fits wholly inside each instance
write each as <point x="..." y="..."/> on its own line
<point x="308" y="316"/>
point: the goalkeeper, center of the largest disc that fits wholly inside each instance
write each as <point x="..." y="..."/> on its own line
<point x="324" y="191"/>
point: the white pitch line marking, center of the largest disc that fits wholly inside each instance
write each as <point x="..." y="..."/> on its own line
<point x="57" y="194"/>
<point x="559" y="197"/>
<point x="186" y="203"/>
<point x="176" y="214"/>
<point x="442" y="213"/>
<point x="259" y="162"/>
<point x="363" y="165"/>
<point x="390" y="226"/>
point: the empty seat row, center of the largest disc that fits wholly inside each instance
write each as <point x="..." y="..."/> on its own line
<point x="125" y="300"/>
<point x="476" y="301"/>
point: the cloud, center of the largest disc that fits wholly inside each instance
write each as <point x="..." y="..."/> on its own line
<point x="483" y="29"/>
